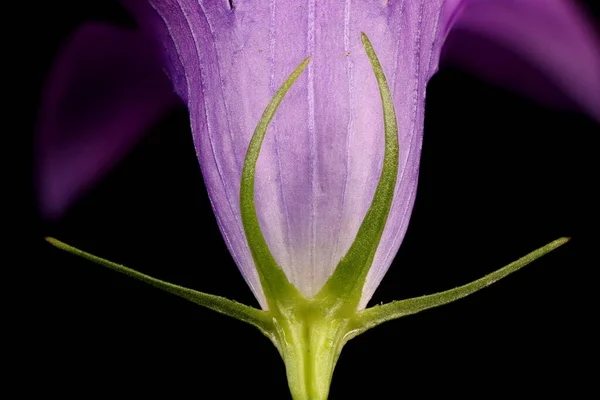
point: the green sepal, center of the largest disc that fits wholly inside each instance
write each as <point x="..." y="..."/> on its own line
<point x="347" y="281"/>
<point x="376" y="315"/>
<point x="276" y="287"/>
<point x="250" y="315"/>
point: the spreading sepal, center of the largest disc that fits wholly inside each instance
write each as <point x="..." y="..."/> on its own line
<point x="376" y="315"/>
<point x="259" y="319"/>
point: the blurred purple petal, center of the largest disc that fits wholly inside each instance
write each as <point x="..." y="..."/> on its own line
<point x="105" y="90"/>
<point x="545" y="49"/>
<point x="148" y="20"/>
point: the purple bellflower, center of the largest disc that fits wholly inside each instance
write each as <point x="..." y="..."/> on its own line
<point x="307" y="118"/>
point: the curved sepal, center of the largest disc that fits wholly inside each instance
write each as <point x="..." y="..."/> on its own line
<point x="250" y="315"/>
<point x="376" y="315"/>
<point x="346" y="283"/>
<point x="275" y="284"/>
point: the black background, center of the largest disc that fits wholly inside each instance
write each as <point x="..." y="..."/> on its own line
<point x="500" y="176"/>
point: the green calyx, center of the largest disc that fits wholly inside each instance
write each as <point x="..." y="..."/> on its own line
<point x="310" y="333"/>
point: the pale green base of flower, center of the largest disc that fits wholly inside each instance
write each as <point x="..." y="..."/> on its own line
<point x="310" y="333"/>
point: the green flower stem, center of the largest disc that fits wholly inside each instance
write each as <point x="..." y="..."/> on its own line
<point x="310" y="338"/>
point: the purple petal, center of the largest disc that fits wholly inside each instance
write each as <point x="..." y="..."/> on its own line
<point x="542" y="48"/>
<point x="322" y="156"/>
<point x="104" y="91"/>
